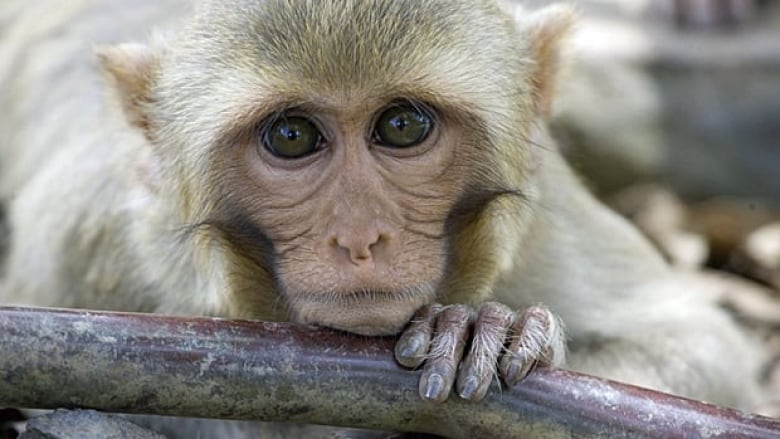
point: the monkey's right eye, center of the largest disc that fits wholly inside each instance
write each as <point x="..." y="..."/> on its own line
<point x="292" y="137"/>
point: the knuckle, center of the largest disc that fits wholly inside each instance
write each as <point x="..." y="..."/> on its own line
<point x="441" y="366"/>
<point x="446" y="346"/>
<point x="538" y="312"/>
<point x="458" y="312"/>
<point x="496" y="307"/>
<point x="426" y="314"/>
<point x="453" y="318"/>
<point x="537" y="322"/>
<point x="494" y="313"/>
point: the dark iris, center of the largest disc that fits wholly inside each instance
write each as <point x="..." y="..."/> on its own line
<point x="403" y="126"/>
<point x="292" y="137"/>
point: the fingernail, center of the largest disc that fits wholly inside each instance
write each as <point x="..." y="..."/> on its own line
<point x="411" y="347"/>
<point x="469" y="388"/>
<point x="433" y="387"/>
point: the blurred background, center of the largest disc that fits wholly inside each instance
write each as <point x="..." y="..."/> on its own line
<point x="670" y="110"/>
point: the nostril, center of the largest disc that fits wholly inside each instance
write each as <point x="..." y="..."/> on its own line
<point x="358" y="247"/>
<point x="378" y="243"/>
<point x="361" y="253"/>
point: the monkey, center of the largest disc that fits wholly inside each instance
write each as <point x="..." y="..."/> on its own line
<point x="373" y="166"/>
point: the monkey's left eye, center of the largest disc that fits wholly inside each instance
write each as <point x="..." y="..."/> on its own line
<point x="292" y="137"/>
<point x="403" y="126"/>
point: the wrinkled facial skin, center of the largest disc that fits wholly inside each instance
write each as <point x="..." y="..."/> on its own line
<point x="358" y="226"/>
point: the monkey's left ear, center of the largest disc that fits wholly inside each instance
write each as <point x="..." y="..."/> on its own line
<point x="130" y="70"/>
<point x="546" y="30"/>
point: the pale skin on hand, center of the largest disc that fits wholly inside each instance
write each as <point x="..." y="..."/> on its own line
<point x="438" y="336"/>
<point x="386" y="174"/>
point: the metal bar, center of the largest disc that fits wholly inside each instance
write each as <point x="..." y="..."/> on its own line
<point x="235" y="369"/>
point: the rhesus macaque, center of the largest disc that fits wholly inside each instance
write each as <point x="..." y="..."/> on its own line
<point x="354" y="164"/>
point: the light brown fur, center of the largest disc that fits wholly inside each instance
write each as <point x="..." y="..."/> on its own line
<point x="156" y="197"/>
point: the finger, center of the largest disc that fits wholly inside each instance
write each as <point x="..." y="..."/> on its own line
<point x="537" y="338"/>
<point x="479" y="368"/>
<point x="452" y="327"/>
<point x="412" y="347"/>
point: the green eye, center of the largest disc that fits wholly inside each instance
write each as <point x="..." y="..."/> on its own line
<point x="292" y="137"/>
<point x="403" y="126"/>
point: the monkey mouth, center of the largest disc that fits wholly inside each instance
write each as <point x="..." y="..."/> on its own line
<point x="370" y="312"/>
<point x="374" y="295"/>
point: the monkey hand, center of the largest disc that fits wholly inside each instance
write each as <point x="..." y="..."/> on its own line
<point x="438" y="335"/>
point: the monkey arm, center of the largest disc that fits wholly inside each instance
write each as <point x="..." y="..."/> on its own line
<point x="626" y="314"/>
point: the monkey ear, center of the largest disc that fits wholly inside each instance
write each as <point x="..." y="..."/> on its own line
<point x="130" y="70"/>
<point x="546" y="30"/>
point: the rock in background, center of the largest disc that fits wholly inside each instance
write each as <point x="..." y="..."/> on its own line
<point x="693" y="102"/>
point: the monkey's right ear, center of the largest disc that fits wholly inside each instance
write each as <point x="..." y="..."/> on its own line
<point x="130" y="70"/>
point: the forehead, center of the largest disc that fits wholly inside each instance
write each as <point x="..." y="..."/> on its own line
<point x="338" y="45"/>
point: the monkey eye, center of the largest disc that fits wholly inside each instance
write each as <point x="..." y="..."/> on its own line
<point x="403" y="125"/>
<point x="292" y="137"/>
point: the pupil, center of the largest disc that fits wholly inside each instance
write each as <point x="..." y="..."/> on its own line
<point x="399" y="123"/>
<point x="291" y="134"/>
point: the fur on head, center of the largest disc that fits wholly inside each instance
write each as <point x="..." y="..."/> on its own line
<point x="201" y="95"/>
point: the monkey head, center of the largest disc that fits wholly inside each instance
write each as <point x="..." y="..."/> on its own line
<point x="348" y="166"/>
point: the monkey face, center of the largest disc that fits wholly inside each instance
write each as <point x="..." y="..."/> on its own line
<point x="355" y="199"/>
<point x="345" y="150"/>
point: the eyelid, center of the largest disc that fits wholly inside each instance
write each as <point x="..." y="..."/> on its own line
<point x="404" y="102"/>
<point x="418" y="105"/>
<point x="276" y="116"/>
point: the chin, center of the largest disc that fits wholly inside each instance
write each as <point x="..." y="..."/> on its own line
<point x="365" y="314"/>
<point x="372" y="328"/>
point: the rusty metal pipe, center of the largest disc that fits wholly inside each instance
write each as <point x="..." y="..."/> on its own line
<point x="232" y="369"/>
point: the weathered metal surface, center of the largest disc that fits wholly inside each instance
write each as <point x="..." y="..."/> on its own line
<point x="231" y="369"/>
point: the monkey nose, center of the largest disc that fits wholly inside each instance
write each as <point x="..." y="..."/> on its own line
<point x="359" y="248"/>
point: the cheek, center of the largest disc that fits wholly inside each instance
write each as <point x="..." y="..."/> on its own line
<point x="273" y="187"/>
